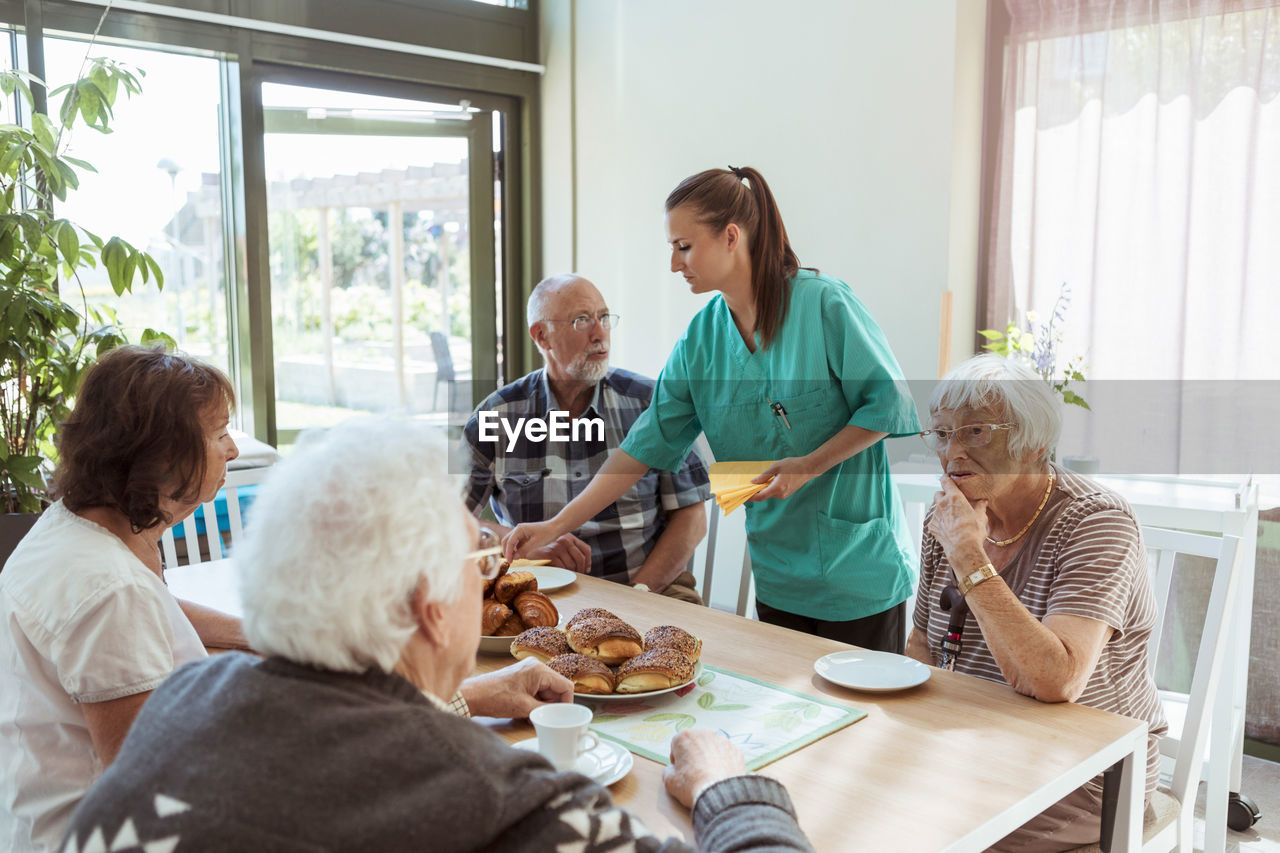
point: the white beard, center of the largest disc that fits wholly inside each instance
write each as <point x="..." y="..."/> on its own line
<point x="588" y="371"/>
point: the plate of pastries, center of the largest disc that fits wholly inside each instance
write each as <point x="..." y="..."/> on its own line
<point x="512" y="603"/>
<point x="606" y="658"/>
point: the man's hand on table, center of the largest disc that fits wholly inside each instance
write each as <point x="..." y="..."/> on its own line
<point x="699" y="759"/>
<point x="515" y="690"/>
<point x="568" y="552"/>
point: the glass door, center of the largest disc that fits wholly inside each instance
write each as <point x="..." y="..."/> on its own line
<point x="381" y="235"/>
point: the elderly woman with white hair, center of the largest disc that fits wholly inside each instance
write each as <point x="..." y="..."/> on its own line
<point x="1031" y="574"/>
<point x="362" y="585"/>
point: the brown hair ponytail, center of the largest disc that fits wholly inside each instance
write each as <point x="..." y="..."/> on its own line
<point x="718" y="197"/>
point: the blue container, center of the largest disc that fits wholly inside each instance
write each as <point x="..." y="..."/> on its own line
<point x="247" y="494"/>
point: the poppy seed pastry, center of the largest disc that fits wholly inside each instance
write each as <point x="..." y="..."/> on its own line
<point x="589" y="613"/>
<point x="542" y="643"/>
<point x="671" y="637"/>
<point x="610" y="640"/>
<point x="656" y="669"/>
<point x="587" y="674"/>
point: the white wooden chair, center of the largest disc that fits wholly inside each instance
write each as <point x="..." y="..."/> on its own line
<point x="1199" y="738"/>
<point x="745" y="581"/>
<point x="191" y="536"/>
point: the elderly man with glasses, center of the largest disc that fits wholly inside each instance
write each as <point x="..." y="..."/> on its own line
<point x="648" y="536"/>
<point x="1031" y="574"/>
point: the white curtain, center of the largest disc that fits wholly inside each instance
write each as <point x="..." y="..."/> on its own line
<point x="1139" y="164"/>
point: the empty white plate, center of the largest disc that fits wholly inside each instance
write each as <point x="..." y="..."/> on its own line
<point x="875" y="672"/>
<point x="604" y="765"/>
<point x="552" y="578"/>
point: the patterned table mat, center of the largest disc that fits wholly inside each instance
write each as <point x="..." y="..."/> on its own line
<point x="763" y="720"/>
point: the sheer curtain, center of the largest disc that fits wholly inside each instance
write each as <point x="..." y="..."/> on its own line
<point x="1139" y="163"/>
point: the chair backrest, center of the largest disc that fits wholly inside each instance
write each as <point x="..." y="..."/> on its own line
<point x="444" y="358"/>
<point x="1210" y="661"/>
<point x="230" y="493"/>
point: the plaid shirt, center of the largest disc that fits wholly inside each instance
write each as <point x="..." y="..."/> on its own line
<point x="535" y="480"/>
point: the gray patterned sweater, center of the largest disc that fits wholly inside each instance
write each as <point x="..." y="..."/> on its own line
<point x="237" y="754"/>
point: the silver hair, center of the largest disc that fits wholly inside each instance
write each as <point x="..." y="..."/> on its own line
<point x="339" y="538"/>
<point x="1010" y="387"/>
<point x="536" y="310"/>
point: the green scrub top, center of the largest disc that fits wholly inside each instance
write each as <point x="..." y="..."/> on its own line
<point x="838" y="549"/>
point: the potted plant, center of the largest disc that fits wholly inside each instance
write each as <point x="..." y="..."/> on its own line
<point x="49" y="334"/>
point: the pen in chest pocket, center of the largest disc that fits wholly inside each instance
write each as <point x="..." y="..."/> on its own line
<point x="779" y="411"/>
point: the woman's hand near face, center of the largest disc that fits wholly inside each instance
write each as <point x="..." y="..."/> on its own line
<point x="788" y="475"/>
<point x="699" y="759"/>
<point x="957" y="524"/>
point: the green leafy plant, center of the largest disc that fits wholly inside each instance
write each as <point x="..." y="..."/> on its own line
<point x="49" y="337"/>
<point x="1037" y="344"/>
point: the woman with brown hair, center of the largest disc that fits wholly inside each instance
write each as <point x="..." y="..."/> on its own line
<point x="785" y="364"/>
<point x="87" y="626"/>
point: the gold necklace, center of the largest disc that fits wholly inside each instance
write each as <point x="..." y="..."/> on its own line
<point x="1044" y="500"/>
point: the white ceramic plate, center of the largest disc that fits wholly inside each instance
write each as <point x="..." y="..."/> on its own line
<point x="496" y="645"/>
<point x="874" y="672"/>
<point x="551" y="578"/>
<point x="631" y="697"/>
<point x="604" y="765"/>
<point x="502" y="645"/>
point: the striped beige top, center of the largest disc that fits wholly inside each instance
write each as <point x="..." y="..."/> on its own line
<point x="1084" y="557"/>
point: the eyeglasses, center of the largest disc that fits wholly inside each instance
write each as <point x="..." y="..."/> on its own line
<point x="585" y="322"/>
<point x="489" y="558"/>
<point x="969" y="435"/>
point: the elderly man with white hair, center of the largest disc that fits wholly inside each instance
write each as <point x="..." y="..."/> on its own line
<point x="1032" y="575"/>
<point x="647" y="536"/>
<point x="362" y="587"/>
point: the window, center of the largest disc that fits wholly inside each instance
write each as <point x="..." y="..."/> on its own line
<point x="159" y="185"/>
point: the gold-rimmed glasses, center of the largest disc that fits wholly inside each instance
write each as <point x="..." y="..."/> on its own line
<point x="489" y="556"/>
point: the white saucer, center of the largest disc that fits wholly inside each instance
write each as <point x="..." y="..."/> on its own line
<point x="552" y="578"/>
<point x="604" y="765"/>
<point x="874" y="672"/>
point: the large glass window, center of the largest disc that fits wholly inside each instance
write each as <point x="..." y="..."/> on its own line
<point x="158" y="185"/>
<point x="368" y="218"/>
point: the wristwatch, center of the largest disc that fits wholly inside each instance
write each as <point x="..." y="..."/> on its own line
<point x="977" y="576"/>
<point x="641" y="587"/>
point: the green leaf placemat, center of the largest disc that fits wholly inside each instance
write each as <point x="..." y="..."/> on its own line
<point x="763" y="720"/>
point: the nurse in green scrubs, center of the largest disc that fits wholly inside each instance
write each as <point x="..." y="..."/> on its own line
<point x="785" y="364"/>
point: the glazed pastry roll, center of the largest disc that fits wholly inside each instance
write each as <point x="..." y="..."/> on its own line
<point x="671" y="637"/>
<point x="541" y="643"/>
<point x="511" y="627"/>
<point x="587" y="674"/>
<point x="656" y="669"/>
<point x="589" y="613"/>
<point x="536" y="610"/>
<point x="609" y="640"/>
<point x="492" y="614"/>
<point x="508" y="586"/>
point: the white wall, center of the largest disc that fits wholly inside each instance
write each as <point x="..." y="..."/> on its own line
<point x="864" y="116"/>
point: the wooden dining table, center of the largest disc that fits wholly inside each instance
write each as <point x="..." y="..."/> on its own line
<point x="953" y="764"/>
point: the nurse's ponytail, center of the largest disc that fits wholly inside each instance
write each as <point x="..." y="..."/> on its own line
<point x="720" y="196"/>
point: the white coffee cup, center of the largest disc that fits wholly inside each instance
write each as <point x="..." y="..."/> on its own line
<point x="562" y="733"/>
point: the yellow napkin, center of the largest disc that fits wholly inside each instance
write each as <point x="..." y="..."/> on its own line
<point x="731" y="482"/>
<point x="522" y="563"/>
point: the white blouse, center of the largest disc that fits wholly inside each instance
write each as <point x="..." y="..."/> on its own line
<point x="81" y="620"/>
